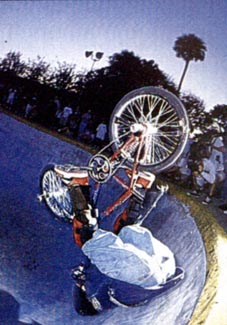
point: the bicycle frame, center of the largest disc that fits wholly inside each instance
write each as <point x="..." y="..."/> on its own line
<point x="137" y="179"/>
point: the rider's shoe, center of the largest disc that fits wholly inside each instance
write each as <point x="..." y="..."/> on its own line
<point x="72" y="175"/>
<point x="96" y="304"/>
<point x="78" y="273"/>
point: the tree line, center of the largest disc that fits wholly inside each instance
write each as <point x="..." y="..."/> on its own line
<point x="100" y="90"/>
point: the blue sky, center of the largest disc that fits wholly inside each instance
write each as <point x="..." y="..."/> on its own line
<point x="64" y="30"/>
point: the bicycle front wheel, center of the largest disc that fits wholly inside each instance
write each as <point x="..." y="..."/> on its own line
<point x="166" y="122"/>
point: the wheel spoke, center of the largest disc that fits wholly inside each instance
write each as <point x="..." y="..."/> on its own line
<point x="152" y="104"/>
<point x="130" y="109"/>
<point x="139" y="105"/>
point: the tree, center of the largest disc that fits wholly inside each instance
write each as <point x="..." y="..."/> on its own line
<point x="64" y="77"/>
<point x="13" y="64"/>
<point x="38" y="70"/>
<point x="100" y="90"/>
<point x="135" y="72"/>
<point x="189" y="48"/>
<point x="196" y="111"/>
<point x="219" y="114"/>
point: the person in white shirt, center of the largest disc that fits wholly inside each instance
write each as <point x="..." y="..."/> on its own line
<point x="67" y="111"/>
<point x="101" y="131"/>
<point x="207" y="173"/>
<point x="217" y="150"/>
<point x="64" y="118"/>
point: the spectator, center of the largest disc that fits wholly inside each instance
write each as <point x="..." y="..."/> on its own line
<point x="73" y="124"/>
<point x="58" y="116"/>
<point x="224" y="188"/>
<point x="11" y="98"/>
<point x="182" y="165"/>
<point x="28" y="110"/>
<point x="87" y="136"/>
<point x="100" y="135"/>
<point x="217" y="150"/>
<point x="67" y="111"/>
<point x="57" y="103"/>
<point x="85" y="118"/>
<point x="217" y="157"/>
<point x="206" y="174"/>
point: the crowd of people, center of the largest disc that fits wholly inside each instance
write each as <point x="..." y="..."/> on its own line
<point x="81" y="126"/>
<point x="63" y="116"/>
<point x="203" y="165"/>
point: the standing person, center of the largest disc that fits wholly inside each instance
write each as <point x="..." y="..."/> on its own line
<point x="217" y="157"/>
<point x="224" y="189"/>
<point x="11" y="98"/>
<point x="85" y="118"/>
<point x="101" y="132"/>
<point x="217" y="150"/>
<point x="67" y="111"/>
<point x="28" y="109"/>
<point x="57" y="103"/>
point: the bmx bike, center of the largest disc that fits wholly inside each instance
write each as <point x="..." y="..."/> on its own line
<point x="148" y="131"/>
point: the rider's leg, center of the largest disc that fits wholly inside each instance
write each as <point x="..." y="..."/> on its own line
<point x="78" y="198"/>
<point x="220" y="176"/>
<point x="77" y="180"/>
<point x="129" y="215"/>
<point x="143" y="185"/>
<point x="84" y="222"/>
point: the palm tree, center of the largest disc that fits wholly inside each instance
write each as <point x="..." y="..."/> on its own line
<point x="189" y="47"/>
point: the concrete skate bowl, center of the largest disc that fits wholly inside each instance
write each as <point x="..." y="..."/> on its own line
<point x="38" y="253"/>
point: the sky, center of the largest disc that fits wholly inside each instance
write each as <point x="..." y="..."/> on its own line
<point x="61" y="31"/>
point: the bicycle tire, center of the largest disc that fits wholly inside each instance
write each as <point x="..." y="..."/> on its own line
<point x="166" y="120"/>
<point x="56" y="194"/>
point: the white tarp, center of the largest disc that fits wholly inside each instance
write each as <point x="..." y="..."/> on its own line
<point x="134" y="256"/>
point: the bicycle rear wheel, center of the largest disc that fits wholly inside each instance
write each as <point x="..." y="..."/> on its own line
<point x="165" y="119"/>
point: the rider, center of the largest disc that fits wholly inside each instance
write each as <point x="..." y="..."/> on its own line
<point x="128" y="259"/>
<point x="85" y="219"/>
